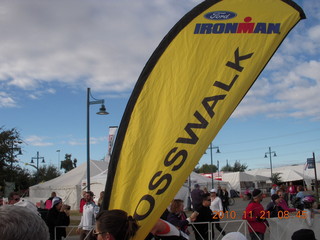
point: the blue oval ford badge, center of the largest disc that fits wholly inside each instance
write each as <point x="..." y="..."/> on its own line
<point x="220" y="15"/>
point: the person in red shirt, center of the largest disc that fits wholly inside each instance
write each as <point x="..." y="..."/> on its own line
<point x="256" y="216"/>
<point x="82" y="201"/>
<point x="292" y="191"/>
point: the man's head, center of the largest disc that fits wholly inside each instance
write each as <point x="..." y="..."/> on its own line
<point x="18" y="222"/>
<point x="275" y="198"/>
<point x="57" y="203"/>
<point x="213" y="192"/>
<point x="14" y="197"/>
<point x="196" y="186"/>
<point x="303" y="234"/>
<point x="88" y="196"/>
<point x="257" y="195"/>
<point x="206" y="200"/>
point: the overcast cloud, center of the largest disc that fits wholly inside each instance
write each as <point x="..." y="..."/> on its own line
<point x="105" y="45"/>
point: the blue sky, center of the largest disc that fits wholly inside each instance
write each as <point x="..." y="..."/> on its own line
<point x="52" y="51"/>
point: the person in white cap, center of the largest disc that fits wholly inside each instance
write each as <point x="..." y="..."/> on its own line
<point x="217" y="209"/>
<point x="234" y="236"/>
<point x="58" y="215"/>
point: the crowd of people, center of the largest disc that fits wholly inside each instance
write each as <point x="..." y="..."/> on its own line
<point x="284" y="200"/>
<point x="173" y="224"/>
<point x="31" y="222"/>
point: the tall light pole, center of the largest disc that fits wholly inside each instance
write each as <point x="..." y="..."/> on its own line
<point x="14" y="147"/>
<point x="59" y="165"/>
<point x="274" y="154"/>
<point x="102" y="111"/>
<point x="37" y="167"/>
<point x="218" y="151"/>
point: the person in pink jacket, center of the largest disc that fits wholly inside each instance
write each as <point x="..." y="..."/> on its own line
<point x="282" y="203"/>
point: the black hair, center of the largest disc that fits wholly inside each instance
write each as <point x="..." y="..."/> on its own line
<point x="205" y="196"/>
<point x="117" y="223"/>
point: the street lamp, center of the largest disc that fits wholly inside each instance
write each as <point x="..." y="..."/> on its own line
<point x="14" y="147"/>
<point x="265" y="156"/>
<point x="102" y="111"/>
<point x="59" y="165"/>
<point x="37" y="167"/>
<point x="218" y="151"/>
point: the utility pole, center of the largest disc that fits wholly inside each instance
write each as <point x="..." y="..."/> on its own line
<point x="37" y="167"/>
<point x="274" y="154"/>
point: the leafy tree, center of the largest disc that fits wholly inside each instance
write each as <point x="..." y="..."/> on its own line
<point x="227" y="168"/>
<point x="23" y="179"/>
<point x="237" y="167"/>
<point x="45" y="173"/>
<point x="9" y="149"/>
<point x="68" y="164"/>
<point x="276" y="178"/>
<point x="11" y="171"/>
<point x="206" y="168"/>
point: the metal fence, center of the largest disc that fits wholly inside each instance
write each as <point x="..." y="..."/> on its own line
<point x="236" y="226"/>
<point x="71" y="231"/>
<point x="241" y="226"/>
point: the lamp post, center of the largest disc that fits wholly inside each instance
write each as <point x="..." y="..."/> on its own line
<point x="102" y="111"/>
<point x="14" y="147"/>
<point x="274" y="154"/>
<point x="218" y="151"/>
<point x="37" y="167"/>
<point x="59" y="165"/>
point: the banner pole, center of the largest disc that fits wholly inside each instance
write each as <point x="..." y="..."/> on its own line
<point x="315" y="176"/>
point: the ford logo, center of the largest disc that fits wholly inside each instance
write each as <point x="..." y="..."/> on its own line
<point x="220" y="15"/>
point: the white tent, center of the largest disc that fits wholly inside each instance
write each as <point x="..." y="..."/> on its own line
<point x="287" y="174"/>
<point x="98" y="182"/>
<point x="204" y="182"/>
<point x="67" y="186"/>
<point x="241" y="181"/>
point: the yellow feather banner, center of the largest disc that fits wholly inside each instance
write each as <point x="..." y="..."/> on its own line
<point x="188" y="89"/>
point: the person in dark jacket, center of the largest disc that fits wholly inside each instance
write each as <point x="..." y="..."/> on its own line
<point x="178" y="217"/>
<point x="224" y="195"/>
<point x="58" y="215"/>
<point x="196" y="197"/>
<point x="273" y="206"/>
<point x="204" y="215"/>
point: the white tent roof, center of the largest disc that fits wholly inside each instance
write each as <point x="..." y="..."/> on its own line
<point x="243" y="177"/>
<point x="289" y="173"/>
<point x="98" y="184"/>
<point x="235" y="179"/>
<point x="67" y="186"/>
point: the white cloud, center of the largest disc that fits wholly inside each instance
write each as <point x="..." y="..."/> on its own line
<point x="6" y="100"/>
<point x="105" y="45"/>
<point x="37" y="141"/>
<point x="93" y="141"/>
<point x="37" y="94"/>
<point x="101" y="44"/>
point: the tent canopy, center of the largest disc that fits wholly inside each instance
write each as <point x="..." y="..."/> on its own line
<point x="242" y="180"/>
<point x="67" y="186"/>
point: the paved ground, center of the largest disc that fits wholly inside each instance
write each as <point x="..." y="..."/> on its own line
<point x="230" y="222"/>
